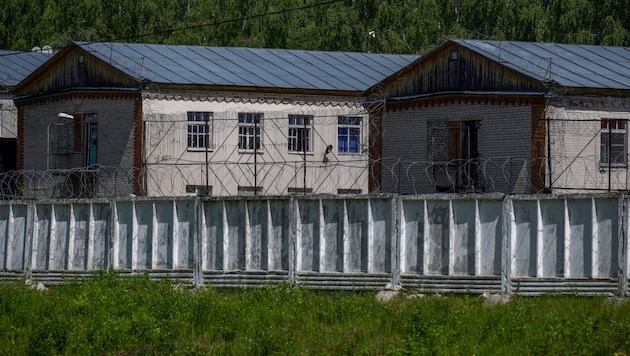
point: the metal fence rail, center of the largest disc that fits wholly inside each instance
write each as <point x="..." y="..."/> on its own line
<point x="439" y="243"/>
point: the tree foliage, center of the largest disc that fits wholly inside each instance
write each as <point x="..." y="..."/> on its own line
<point x="384" y="26"/>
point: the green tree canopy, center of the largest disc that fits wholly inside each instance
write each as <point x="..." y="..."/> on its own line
<point x="385" y="26"/>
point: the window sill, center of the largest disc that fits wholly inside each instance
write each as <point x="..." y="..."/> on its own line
<point x="300" y="153"/>
<point x="191" y="149"/>
<point x="604" y="167"/>
<point x="251" y="151"/>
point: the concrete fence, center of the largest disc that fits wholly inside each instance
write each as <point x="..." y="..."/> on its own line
<point x="432" y="243"/>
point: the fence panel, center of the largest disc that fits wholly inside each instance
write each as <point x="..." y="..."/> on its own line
<point x="433" y="243"/>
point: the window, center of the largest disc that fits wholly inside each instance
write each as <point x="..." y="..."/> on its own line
<point x="249" y="128"/>
<point x="348" y="191"/>
<point x="613" y="143"/>
<point x="201" y="190"/>
<point x="77" y="134"/>
<point x="300" y="133"/>
<point x="73" y="141"/>
<point x="91" y="128"/>
<point x="300" y="190"/>
<point x="349" y="134"/>
<point x="199" y="130"/>
<point x="249" y="191"/>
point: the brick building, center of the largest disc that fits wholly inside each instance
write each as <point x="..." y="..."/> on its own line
<point x="163" y="120"/>
<point x="503" y="116"/>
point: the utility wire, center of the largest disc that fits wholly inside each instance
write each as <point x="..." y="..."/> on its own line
<point x="249" y="17"/>
<point x="279" y="12"/>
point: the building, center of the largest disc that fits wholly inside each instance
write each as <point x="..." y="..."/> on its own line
<point x="14" y="67"/>
<point x="504" y="116"/>
<point x="163" y="120"/>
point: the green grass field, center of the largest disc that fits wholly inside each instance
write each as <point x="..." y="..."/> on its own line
<point x="109" y="315"/>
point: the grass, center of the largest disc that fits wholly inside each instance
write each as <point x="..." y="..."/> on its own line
<point x="109" y="315"/>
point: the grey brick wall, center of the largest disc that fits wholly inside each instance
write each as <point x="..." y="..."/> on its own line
<point x="115" y="135"/>
<point x="115" y="143"/>
<point x="504" y="136"/>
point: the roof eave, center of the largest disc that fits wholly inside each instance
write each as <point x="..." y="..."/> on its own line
<point x="164" y="87"/>
<point x="529" y="93"/>
<point x="67" y="91"/>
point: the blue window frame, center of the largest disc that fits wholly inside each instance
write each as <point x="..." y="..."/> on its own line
<point x="349" y="134"/>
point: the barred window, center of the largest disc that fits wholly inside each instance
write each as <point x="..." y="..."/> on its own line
<point x="614" y="143"/>
<point x="199" y="130"/>
<point x="300" y="133"/>
<point x="249" y="130"/>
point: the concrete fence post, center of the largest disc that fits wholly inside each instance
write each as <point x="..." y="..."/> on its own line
<point x="396" y="206"/>
<point x="198" y="229"/>
<point x="506" y="256"/>
<point x="293" y="214"/>
<point x="622" y="253"/>
<point x="28" y="243"/>
<point x="109" y="240"/>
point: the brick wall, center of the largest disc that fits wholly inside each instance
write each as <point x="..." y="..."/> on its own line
<point x="39" y="124"/>
<point x="575" y="130"/>
<point x="505" y="136"/>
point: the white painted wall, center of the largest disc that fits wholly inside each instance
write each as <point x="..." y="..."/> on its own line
<point x="172" y="166"/>
<point x="575" y="128"/>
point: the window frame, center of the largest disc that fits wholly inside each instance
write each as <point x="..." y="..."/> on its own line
<point x="196" y="120"/>
<point x="248" y="122"/>
<point x="607" y="132"/>
<point x="90" y="130"/>
<point x="295" y="134"/>
<point x="349" y="123"/>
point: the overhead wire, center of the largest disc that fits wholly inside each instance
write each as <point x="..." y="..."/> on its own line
<point x="204" y="25"/>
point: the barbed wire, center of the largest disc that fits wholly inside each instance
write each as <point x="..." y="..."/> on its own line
<point x="484" y="175"/>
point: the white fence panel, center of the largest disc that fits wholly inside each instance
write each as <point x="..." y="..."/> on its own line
<point x="433" y="243"/>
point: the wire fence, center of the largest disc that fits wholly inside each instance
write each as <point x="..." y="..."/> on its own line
<point x="389" y="175"/>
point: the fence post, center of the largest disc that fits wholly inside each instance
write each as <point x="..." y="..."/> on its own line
<point x="506" y="256"/>
<point x="395" y="240"/>
<point x="109" y="240"/>
<point x="292" y="240"/>
<point x="622" y="253"/>
<point x="197" y="240"/>
<point x="30" y="228"/>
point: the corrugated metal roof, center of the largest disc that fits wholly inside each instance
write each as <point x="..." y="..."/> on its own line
<point x="249" y="67"/>
<point x="569" y="65"/>
<point x="15" y="66"/>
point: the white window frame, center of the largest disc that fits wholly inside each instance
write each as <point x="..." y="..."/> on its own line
<point x="348" y="123"/>
<point x="250" y="126"/>
<point x="197" y="139"/>
<point x="618" y="131"/>
<point x="300" y="133"/>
